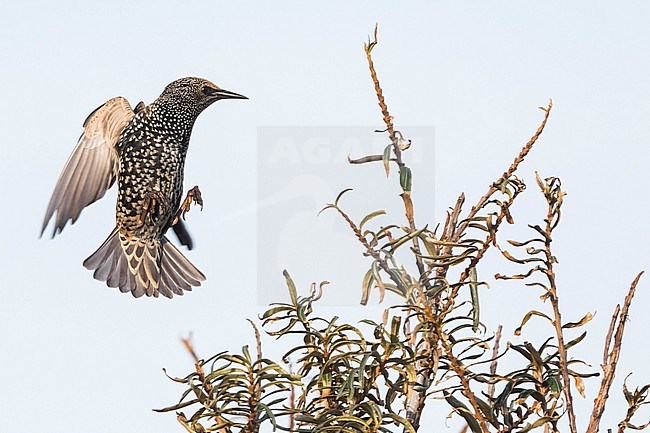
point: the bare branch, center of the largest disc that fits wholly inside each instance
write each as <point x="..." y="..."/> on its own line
<point x="610" y="334"/>
<point x="365" y="159"/>
<point x="611" y="358"/>
<point x="495" y="356"/>
<point x="507" y="174"/>
<point x="397" y="150"/>
<point x="635" y="399"/>
<point x="197" y="362"/>
<point x="258" y="340"/>
<point x="551" y="188"/>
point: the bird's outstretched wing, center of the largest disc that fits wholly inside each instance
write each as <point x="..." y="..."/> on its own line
<point x="93" y="165"/>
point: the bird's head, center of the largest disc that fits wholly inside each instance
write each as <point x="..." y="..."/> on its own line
<point x="197" y="93"/>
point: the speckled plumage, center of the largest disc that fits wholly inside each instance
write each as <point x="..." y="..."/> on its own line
<point x="145" y="150"/>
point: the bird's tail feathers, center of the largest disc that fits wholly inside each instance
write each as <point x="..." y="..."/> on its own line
<point x="143" y="267"/>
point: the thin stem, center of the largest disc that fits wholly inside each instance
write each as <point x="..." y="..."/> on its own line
<point x="390" y="128"/>
<point x="460" y="371"/>
<point x="495" y="356"/>
<point x="454" y="230"/>
<point x="507" y="174"/>
<point x="381" y="261"/>
<point x="489" y="240"/>
<point x="611" y="358"/>
<point x="557" y="323"/>
<point x="554" y="196"/>
<point x="258" y="340"/>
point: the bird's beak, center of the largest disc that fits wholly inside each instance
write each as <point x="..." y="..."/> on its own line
<point x="226" y="94"/>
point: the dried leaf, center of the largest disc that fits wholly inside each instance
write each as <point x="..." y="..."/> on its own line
<point x="586" y="319"/>
<point x="580" y="385"/>
<point x="527" y="318"/>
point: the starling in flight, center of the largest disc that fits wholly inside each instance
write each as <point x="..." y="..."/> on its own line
<point x="144" y="149"/>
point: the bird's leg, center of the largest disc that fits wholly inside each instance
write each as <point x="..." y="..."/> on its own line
<point x="193" y="196"/>
<point x="151" y="200"/>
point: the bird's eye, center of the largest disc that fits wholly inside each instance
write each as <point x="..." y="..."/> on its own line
<point x="207" y="90"/>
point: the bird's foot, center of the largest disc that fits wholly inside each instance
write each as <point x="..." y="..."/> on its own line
<point x="151" y="200"/>
<point x="193" y="197"/>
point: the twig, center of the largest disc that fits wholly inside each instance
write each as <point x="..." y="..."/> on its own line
<point x="416" y="397"/>
<point x="611" y="358"/>
<point x="490" y="239"/>
<point x="610" y="333"/>
<point x="188" y="345"/>
<point x="495" y="355"/>
<point x="564" y="368"/>
<point x="551" y="188"/>
<point x="461" y="373"/>
<point x="453" y="230"/>
<point x="197" y="362"/>
<point x="506" y="175"/>
<point x="258" y="340"/>
<point x="388" y="120"/>
<point x="292" y="402"/>
<point x="635" y="400"/>
<point x="381" y="261"/>
<point x="254" y="386"/>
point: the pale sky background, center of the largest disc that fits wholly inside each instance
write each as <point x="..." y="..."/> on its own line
<point x="76" y="356"/>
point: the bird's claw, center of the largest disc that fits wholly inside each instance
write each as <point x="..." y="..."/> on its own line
<point x="151" y="200"/>
<point x="193" y="197"/>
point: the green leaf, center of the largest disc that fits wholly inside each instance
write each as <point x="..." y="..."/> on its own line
<point x="405" y="178"/>
<point x="487" y="411"/>
<point x="366" y="286"/>
<point x="473" y="288"/>
<point x="386" y="158"/>
<point x="293" y="293"/>
<point x="247" y="355"/>
<point x="394" y="329"/>
<point x="395" y="244"/>
<point x="555" y="384"/>
<point x="403" y="421"/>
<point x="273" y="311"/>
<point x="463" y="411"/>
<point x="536" y="358"/>
<point x="338" y="197"/>
<point x="369" y="217"/>
<point x="575" y="341"/>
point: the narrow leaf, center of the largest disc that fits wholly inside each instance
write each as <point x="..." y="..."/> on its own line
<point x="405" y="178"/>
<point x="473" y="288"/>
<point x="527" y="318"/>
<point x="338" y="197"/>
<point x="366" y="286"/>
<point x="293" y="293"/>
<point x="586" y="319"/>
<point x="386" y="158"/>
<point x="369" y="217"/>
<point x="462" y="410"/>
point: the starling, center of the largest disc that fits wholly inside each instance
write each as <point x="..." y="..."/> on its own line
<point x="144" y="149"/>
